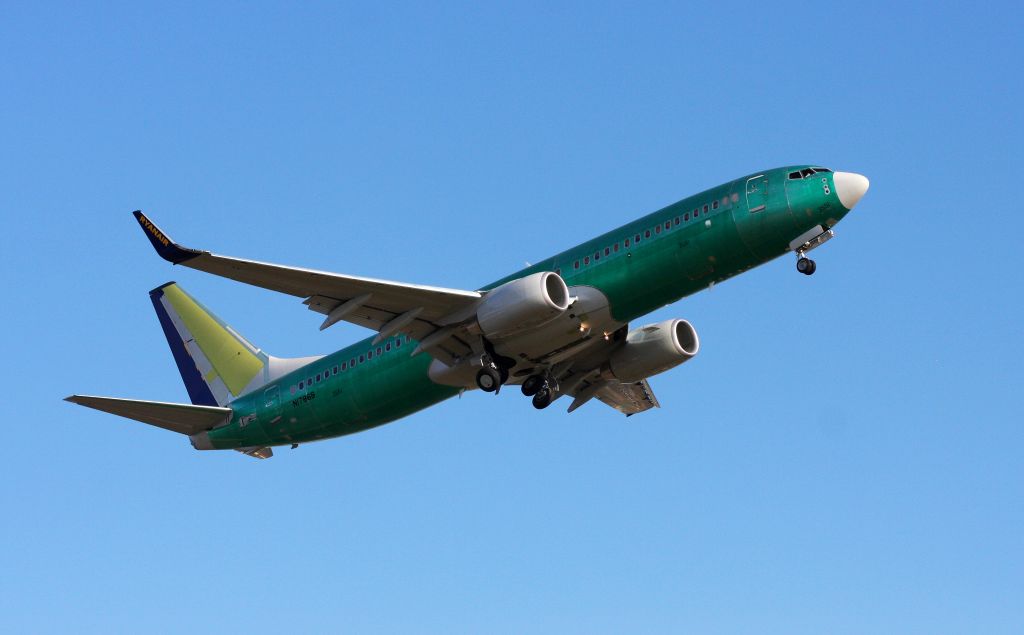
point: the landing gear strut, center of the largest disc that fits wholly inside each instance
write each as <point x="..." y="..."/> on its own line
<point x="805" y="265"/>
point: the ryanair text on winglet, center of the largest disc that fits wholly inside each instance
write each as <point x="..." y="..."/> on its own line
<point x="151" y="228"/>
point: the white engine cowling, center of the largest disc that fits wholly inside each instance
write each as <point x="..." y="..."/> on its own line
<point x="653" y="349"/>
<point x="523" y="304"/>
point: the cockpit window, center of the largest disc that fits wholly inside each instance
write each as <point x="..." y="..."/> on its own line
<point x="806" y="172"/>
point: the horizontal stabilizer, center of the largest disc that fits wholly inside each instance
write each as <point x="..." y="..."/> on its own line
<point x="176" y="417"/>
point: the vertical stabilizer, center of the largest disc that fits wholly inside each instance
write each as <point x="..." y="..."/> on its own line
<point x="216" y="363"/>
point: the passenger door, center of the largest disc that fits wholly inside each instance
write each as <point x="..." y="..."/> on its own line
<point x="272" y="406"/>
<point x="757" y="193"/>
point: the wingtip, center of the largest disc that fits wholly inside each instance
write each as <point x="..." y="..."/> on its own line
<point x="165" y="247"/>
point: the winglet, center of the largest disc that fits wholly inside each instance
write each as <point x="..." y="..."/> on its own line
<point x="165" y="247"/>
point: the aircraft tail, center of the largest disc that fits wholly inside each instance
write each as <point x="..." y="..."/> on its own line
<point x="216" y="363"/>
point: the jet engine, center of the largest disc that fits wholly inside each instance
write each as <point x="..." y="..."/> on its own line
<point x="523" y="304"/>
<point x="653" y="349"/>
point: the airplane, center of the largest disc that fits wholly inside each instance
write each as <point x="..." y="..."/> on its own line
<point x="558" y="328"/>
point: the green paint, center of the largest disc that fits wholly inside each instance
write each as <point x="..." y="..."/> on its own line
<point x="661" y="269"/>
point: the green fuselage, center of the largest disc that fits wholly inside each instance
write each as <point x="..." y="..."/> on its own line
<point x="683" y="248"/>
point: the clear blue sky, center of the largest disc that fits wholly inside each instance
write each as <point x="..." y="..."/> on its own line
<point x="844" y="456"/>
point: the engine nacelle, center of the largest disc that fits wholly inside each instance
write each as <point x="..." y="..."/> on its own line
<point x="653" y="349"/>
<point x="523" y="304"/>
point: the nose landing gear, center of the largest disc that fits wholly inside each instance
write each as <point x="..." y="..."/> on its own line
<point x="811" y="239"/>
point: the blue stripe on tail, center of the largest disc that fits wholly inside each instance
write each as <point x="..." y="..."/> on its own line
<point x="198" y="391"/>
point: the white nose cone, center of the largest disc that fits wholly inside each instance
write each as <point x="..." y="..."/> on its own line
<point x="850" y="187"/>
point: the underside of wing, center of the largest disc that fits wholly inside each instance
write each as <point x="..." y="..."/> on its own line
<point x="628" y="398"/>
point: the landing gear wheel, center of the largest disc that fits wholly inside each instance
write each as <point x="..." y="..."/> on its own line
<point x="532" y="385"/>
<point x="806" y="266"/>
<point x="488" y="379"/>
<point x="542" y="399"/>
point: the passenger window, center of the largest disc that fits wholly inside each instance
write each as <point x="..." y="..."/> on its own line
<point x="607" y="251"/>
<point x="576" y="265"/>
<point x="293" y="389"/>
<point x="586" y="260"/>
<point x="686" y="216"/>
<point x="352" y="363"/>
<point x="668" y="224"/>
<point x="362" y="358"/>
<point x="344" y="366"/>
<point x="302" y="385"/>
<point x="714" y="205"/>
<point x="369" y="354"/>
<point x="615" y="247"/>
<point x="626" y="243"/>
<point x="705" y="209"/>
<point x="677" y="221"/>
<point x="379" y="350"/>
<point x="387" y="347"/>
<point x="657" y="230"/>
<point x="636" y="238"/>
<point x="597" y="256"/>
<point x="318" y="378"/>
<point x="398" y="342"/>
<point x="647" y="233"/>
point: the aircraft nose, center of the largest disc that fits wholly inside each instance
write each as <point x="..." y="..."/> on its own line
<point x="850" y="187"/>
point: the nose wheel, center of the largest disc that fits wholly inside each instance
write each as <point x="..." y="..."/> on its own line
<point x="805" y="265"/>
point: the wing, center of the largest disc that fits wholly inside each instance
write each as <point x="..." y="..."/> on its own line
<point x="627" y="398"/>
<point x="581" y="377"/>
<point x="381" y="305"/>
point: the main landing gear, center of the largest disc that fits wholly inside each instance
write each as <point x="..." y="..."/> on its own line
<point x="494" y="370"/>
<point x="542" y="390"/>
<point x="805" y="265"/>
<point x="491" y="377"/>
